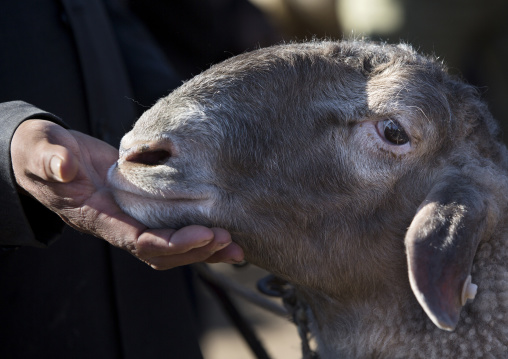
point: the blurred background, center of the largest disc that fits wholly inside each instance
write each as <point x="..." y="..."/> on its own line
<point x="470" y="36"/>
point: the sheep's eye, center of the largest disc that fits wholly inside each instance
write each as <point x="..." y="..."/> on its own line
<point x="393" y="132"/>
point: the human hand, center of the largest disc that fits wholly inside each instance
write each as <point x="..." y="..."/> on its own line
<point x="66" y="171"/>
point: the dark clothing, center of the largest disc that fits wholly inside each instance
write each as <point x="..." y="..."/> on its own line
<point x="218" y="29"/>
<point x="80" y="298"/>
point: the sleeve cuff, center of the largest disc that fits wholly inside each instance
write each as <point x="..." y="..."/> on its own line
<point x="25" y="222"/>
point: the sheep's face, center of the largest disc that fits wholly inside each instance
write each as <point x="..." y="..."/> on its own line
<point x="275" y="134"/>
<point x="310" y="154"/>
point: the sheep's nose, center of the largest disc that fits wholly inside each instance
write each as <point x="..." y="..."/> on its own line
<point x="147" y="153"/>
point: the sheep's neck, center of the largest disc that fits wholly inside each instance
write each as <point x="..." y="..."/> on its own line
<point x="358" y="329"/>
<point x="392" y="324"/>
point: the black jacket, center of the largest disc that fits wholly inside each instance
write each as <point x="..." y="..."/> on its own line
<point x="80" y="297"/>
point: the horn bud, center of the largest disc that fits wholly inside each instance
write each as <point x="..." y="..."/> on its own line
<point x="468" y="290"/>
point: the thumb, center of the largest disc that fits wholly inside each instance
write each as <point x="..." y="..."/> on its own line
<point x="40" y="148"/>
<point x="60" y="164"/>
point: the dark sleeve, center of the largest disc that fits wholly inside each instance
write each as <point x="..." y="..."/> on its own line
<point x="24" y="221"/>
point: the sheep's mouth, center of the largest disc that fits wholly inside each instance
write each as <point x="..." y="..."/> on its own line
<point x="120" y="186"/>
<point x="154" y="198"/>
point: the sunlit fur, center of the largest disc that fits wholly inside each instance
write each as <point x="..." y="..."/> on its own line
<point x="280" y="147"/>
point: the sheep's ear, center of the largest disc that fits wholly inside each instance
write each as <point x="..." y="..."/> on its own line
<point x="440" y="245"/>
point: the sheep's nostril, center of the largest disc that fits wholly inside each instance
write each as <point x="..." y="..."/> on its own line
<point x="149" y="158"/>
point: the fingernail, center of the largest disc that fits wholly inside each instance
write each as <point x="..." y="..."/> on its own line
<point x="196" y="245"/>
<point x="55" y="165"/>
<point x="222" y="245"/>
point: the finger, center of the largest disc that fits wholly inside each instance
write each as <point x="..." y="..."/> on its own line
<point x="178" y="260"/>
<point x="34" y="153"/>
<point x="154" y="242"/>
<point x="191" y="237"/>
<point x="59" y="164"/>
<point x="232" y="254"/>
<point x="193" y="256"/>
<point x="158" y="242"/>
<point x="220" y="235"/>
<point x="221" y="240"/>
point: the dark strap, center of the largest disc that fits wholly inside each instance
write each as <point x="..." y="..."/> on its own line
<point x="298" y="309"/>
<point x="241" y="324"/>
<point x="108" y="91"/>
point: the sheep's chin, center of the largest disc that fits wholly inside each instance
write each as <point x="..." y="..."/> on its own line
<point x="163" y="213"/>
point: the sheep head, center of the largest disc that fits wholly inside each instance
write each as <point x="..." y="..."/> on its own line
<point x="318" y="157"/>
